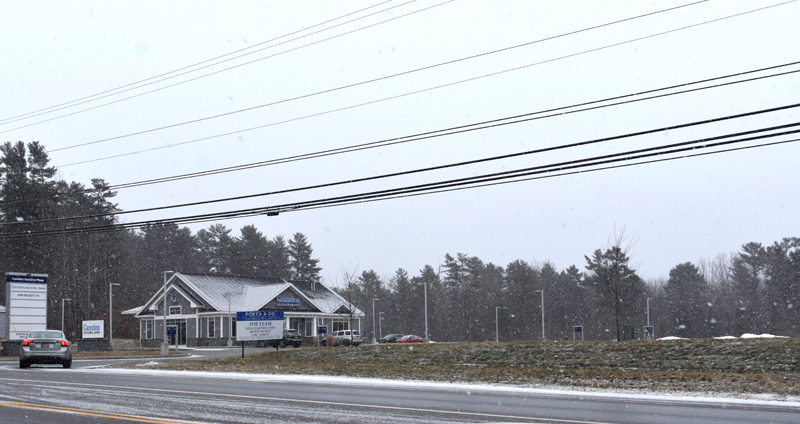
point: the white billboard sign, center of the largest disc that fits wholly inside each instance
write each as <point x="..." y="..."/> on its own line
<point x="259" y="325"/>
<point x="92" y="329"/>
<point x="26" y="295"/>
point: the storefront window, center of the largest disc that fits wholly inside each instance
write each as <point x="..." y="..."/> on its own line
<point x="339" y="324"/>
<point x="148" y="329"/>
<point x="211" y="327"/>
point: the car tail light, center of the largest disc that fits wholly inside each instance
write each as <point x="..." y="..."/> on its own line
<point x="27" y="342"/>
<point x="63" y="343"/>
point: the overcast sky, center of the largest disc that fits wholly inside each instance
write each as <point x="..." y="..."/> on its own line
<point x="670" y="212"/>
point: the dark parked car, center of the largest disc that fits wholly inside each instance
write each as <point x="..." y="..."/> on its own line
<point x="411" y="338"/>
<point x="290" y="337"/>
<point x="390" y="338"/>
<point x="45" y="347"/>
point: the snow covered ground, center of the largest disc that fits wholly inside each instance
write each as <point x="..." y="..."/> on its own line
<point x="743" y="336"/>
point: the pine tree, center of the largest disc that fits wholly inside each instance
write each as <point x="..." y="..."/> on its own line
<point x="304" y="267"/>
<point x="617" y="287"/>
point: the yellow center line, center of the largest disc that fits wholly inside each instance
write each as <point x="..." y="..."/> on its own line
<point x="93" y="413"/>
<point x="317" y="402"/>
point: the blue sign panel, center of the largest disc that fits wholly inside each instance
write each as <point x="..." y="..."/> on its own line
<point x="577" y="329"/>
<point x="648" y="329"/>
<point x="322" y="330"/>
<point x="260" y="316"/>
<point x="172" y="331"/>
<point x="35" y="279"/>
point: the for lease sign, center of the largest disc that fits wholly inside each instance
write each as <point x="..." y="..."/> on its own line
<point x="259" y="325"/>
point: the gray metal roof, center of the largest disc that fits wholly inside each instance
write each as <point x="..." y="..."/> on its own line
<point x="250" y="294"/>
<point x="326" y="299"/>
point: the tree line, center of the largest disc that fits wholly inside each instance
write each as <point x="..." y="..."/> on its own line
<point x="756" y="290"/>
<point x="752" y="291"/>
<point x="81" y="266"/>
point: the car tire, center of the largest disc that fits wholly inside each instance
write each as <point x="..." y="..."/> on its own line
<point x="67" y="364"/>
<point x="323" y="342"/>
<point x="24" y="364"/>
<point x="346" y="342"/>
<point x="283" y="344"/>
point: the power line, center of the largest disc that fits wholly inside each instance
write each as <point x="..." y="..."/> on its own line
<point x="382" y="78"/>
<point x="314" y="115"/>
<point x="454" y="165"/>
<point x="227" y="69"/>
<point x="464" y="183"/>
<point x="538" y="177"/>
<point x="164" y="76"/>
<point x="459" y="129"/>
<point x="516" y="119"/>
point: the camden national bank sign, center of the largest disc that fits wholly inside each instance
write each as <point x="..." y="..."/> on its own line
<point x="26" y="295"/>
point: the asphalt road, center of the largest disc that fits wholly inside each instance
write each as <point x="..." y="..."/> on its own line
<point x="85" y="394"/>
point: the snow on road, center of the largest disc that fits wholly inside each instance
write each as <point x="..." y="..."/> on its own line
<point x="740" y="399"/>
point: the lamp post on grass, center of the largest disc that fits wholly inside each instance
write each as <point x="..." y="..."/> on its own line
<point x="111" y="314"/>
<point x="542" y="292"/>
<point x="62" y="314"/>
<point x="230" y="319"/>
<point x="165" y="343"/>
<point x="425" y="292"/>
<point x="373" y="320"/>
<point x="496" y="324"/>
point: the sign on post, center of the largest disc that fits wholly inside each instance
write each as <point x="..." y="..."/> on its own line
<point x="577" y="329"/>
<point x="259" y="325"/>
<point x="648" y="331"/>
<point x="92" y="329"/>
<point x="322" y="329"/>
<point x="26" y="310"/>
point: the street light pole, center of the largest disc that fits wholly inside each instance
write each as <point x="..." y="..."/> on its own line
<point x="111" y="315"/>
<point x="164" y="344"/>
<point x="425" y="291"/>
<point x="373" y="320"/>
<point x="496" y="324"/>
<point x="542" y="292"/>
<point x="230" y="320"/>
<point x="648" y="317"/>
<point x="62" y="313"/>
<point x="380" y="324"/>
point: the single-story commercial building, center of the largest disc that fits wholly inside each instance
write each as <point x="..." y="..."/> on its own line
<point x="201" y="309"/>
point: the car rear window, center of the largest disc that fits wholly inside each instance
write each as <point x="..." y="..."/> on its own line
<point x="45" y="335"/>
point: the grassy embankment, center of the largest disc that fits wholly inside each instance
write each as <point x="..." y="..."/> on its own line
<point x="724" y="366"/>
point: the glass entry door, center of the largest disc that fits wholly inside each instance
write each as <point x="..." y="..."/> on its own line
<point x="176" y="332"/>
